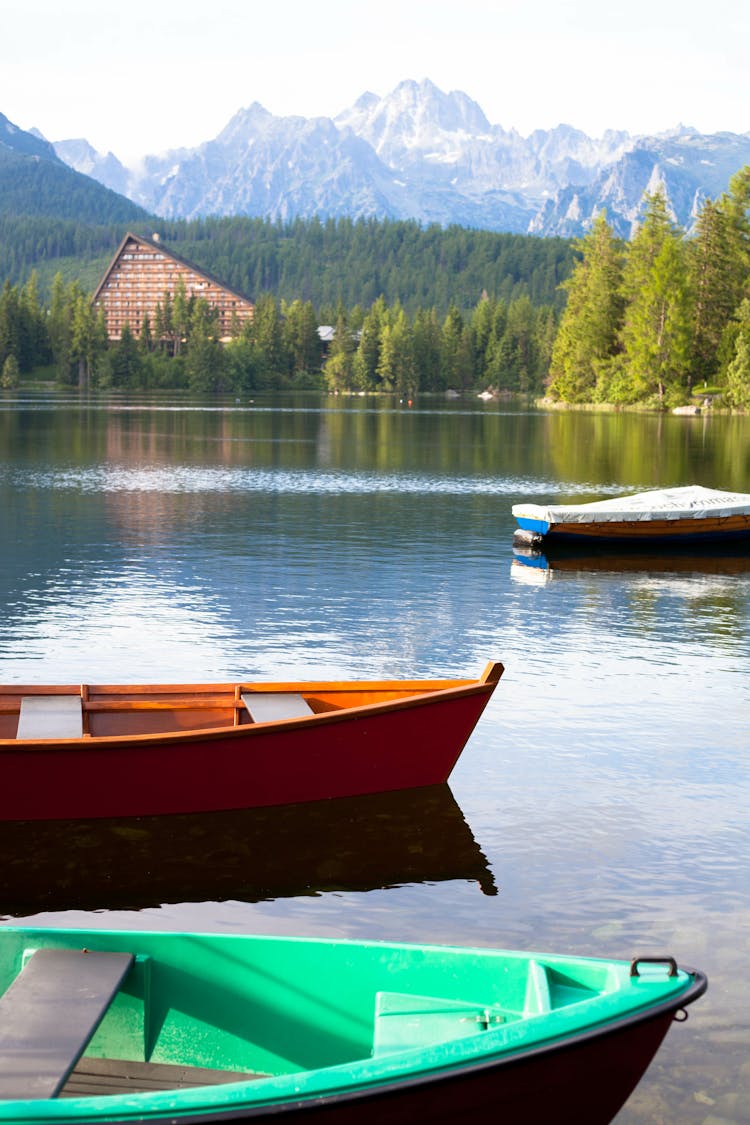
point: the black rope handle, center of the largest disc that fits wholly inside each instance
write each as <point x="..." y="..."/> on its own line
<point x="653" y="961"/>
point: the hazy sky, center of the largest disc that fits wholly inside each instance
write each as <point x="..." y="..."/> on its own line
<point x="141" y="76"/>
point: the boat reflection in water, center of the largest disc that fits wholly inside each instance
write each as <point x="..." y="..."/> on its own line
<point x="348" y="844"/>
<point x="536" y="568"/>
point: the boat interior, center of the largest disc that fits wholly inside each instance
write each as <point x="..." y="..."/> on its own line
<point x="79" y="1022"/>
<point x="30" y="713"/>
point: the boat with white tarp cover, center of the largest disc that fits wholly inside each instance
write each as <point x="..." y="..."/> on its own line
<point x="670" y="515"/>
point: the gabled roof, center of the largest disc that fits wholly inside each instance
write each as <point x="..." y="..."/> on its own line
<point x="155" y="244"/>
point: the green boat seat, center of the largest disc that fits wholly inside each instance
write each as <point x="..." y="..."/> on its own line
<point x="49" y="1014"/>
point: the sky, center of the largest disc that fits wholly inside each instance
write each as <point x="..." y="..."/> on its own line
<point x="136" y="77"/>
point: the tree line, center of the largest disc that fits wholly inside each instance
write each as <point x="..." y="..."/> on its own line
<point x="648" y="322"/>
<point x="497" y="344"/>
<point x="329" y="262"/>
<point x="355" y="261"/>
<point x="657" y="319"/>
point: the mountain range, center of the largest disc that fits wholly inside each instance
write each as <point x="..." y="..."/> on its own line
<point x="422" y="154"/>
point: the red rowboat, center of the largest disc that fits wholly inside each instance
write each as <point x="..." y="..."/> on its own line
<point x="110" y="751"/>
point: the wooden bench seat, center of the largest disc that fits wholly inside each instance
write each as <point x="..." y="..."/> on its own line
<point x="49" y="1014"/>
<point x="269" y="707"/>
<point x="50" y="716"/>
<point x="94" y="1077"/>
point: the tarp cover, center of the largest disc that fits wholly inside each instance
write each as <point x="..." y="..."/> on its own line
<point x="692" y="502"/>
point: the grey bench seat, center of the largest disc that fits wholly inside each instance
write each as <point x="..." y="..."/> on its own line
<point x="49" y="1014"/>
<point x="269" y="707"/>
<point x="50" y="716"/>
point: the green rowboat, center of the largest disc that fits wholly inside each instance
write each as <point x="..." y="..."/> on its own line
<point x="126" y="1026"/>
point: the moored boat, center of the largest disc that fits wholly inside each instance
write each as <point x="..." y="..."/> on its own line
<point x="103" y="1026"/>
<point x="675" y="516"/>
<point x="140" y="750"/>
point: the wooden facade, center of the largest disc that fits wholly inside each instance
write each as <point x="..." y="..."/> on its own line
<point x="143" y="271"/>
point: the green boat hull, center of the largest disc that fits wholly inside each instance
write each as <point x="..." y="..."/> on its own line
<point x="233" y="1027"/>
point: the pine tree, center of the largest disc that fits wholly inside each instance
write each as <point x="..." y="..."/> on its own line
<point x="588" y="334"/>
<point x="180" y="315"/>
<point x="34" y="325"/>
<point x="205" y="365"/>
<point x="737" y="389"/>
<point x="11" y="373"/>
<point x="427" y="347"/>
<point x="300" y="338"/>
<point x="457" y="365"/>
<point x="10" y="326"/>
<point x="164" y="324"/>
<point x="146" y="338"/>
<point x="367" y="356"/>
<point x="60" y="330"/>
<point x="83" y="339"/>
<point x="481" y="323"/>
<point x="656" y="226"/>
<point x="267" y="336"/>
<point x="735" y="205"/>
<point x="124" y="366"/>
<point x="711" y="277"/>
<point x="339" y="366"/>
<point x="656" y="334"/>
<point x="522" y="330"/>
<point x="396" y="369"/>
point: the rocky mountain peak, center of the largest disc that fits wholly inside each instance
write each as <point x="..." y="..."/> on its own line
<point x="424" y="154"/>
<point x="416" y="119"/>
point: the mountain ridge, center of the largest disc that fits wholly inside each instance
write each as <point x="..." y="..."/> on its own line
<point x="420" y="153"/>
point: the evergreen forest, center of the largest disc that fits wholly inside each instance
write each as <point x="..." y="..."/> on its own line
<point x="652" y="322"/>
<point x="505" y="344"/>
<point x="410" y="309"/>
<point x="661" y="318"/>
<point x="331" y="262"/>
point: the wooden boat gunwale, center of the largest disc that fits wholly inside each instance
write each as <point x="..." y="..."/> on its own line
<point x="412" y="694"/>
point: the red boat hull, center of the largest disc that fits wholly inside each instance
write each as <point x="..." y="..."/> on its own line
<point x="401" y="744"/>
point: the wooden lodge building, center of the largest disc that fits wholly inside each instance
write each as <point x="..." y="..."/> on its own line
<point x="143" y="271"/>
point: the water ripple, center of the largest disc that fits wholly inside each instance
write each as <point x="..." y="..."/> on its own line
<point x="185" y="478"/>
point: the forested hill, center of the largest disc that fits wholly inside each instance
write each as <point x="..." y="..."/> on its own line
<point x="48" y="212"/>
<point x="346" y="261"/>
<point x="37" y="184"/>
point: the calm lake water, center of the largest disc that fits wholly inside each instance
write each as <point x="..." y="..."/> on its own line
<point x="601" y="806"/>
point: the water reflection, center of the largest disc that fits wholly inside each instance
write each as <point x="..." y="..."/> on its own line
<point x="722" y="569"/>
<point x="352" y="844"/>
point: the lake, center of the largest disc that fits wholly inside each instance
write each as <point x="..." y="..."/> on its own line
<point x="601" y="806"/>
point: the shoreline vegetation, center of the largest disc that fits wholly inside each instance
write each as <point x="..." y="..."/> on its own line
<point x="660" y="323"/>
<point x="656" y="320"/>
